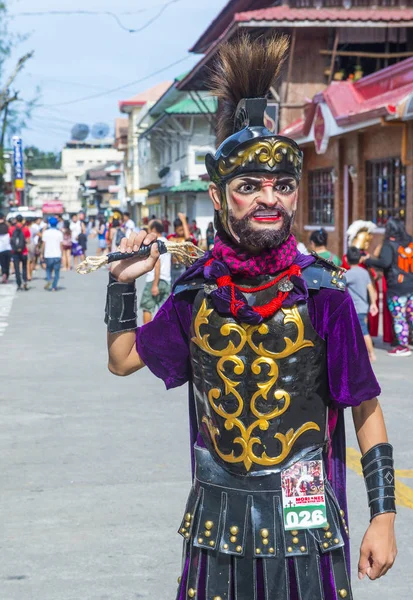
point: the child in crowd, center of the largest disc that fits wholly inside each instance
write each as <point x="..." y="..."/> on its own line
<point x="363" y="293"/>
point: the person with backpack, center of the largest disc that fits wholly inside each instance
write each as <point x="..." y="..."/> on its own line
<point x="396" y="260"/>
<point x="19" y="238"/>
<point x="318" y="243"/>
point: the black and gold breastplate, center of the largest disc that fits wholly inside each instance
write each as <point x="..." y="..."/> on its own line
<point x="261" y="391"/>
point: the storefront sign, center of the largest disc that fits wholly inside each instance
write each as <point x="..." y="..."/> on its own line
<point x="18" y="163"/>
<point x="54" y="207"/>
<point x="321" y="134"/>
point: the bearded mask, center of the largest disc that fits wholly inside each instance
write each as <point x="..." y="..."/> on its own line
<point x="244" y="74"/>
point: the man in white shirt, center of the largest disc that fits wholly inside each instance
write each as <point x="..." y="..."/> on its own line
<point x="128" y="224"/>
<point x="158" y="281"/>
<point x="52" y="245"/>
<point x="75" y="228"/>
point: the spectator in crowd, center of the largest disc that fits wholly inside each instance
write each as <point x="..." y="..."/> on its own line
<point x="19" y="238"/>
<point x="115" y="235"/>
<point x="158" y="281"/>
<point x="210" y="236"/>
<point x="396" y="260"/>
<point x="52" y="246"/>
<point x="44" y="224"/>
<point x="82" y="239"/>
<point x="32" y="246"/>
<point x="128" y="224"/>
<point x="195" y="231"/>
<point x="60" y="222"/>
<point x="166" y="224"/>
<point x="76" y="228"/>
<point x="67" y="246"/>
<point x="363" y="293"/>
<point x="182" y="234"/>
<point x="5" y="249"/>
<point x="318" y="243"/>
<point x="101" y="231"/>
<point x="301" y="247"/>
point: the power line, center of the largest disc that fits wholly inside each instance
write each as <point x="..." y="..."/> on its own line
<point x="101" y="12"/>
<point x="119" y="88"/>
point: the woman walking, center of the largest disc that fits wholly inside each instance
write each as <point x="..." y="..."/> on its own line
<point x="101" y="230"/>
<point x="396" y="260"/>
<point x="67" y="246"/>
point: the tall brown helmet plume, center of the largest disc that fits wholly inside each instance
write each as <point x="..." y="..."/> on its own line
<point x="246" y="68"/>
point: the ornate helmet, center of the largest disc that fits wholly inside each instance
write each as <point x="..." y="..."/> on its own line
<point x="245" y="72"/>
<point x="359" y="234"/>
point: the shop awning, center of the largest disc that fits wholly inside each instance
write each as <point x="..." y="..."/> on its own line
<point x="53" y="207"/>
<point x="386" y="94"/>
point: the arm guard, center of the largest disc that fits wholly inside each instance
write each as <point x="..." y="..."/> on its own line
<point x="120" y="311"/>
<point x="378" y="474"/>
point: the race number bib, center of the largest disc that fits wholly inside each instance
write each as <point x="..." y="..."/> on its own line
<point x="304" y="505"/>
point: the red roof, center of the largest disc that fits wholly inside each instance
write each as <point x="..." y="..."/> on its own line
<point x="374" y="96"/>
<point x="151" y="95"/>
<point x="287" y="14"/>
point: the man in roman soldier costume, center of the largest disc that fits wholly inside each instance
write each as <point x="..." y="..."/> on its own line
<point x="270" y="344"/>
<point x="360" y="235"/>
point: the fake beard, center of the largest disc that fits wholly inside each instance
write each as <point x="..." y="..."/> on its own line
<point x="264" y="238"/>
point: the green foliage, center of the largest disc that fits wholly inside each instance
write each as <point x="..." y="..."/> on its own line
<point x="37" y="159"/>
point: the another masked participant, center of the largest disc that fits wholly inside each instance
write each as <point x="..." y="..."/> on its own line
<point x="359" y="234"/>
<point x="270" y="344"/>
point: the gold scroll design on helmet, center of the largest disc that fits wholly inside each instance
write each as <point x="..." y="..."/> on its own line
<point x="248" y="439"/>
<point x="265" y="152"/>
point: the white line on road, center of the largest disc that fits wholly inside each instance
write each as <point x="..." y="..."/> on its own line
<point x="7" y="293"/>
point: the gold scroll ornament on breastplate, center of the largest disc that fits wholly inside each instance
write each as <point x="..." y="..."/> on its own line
<point x="248" y="438"/>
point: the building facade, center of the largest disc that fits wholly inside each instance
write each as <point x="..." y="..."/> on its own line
<point x="172" y="157"/>
<point x="137" y="109"/>
<point x="46" y="186"/>
<point x="77" y="158"/>
<point x="361" y="169"/>
<point x="357" y="140"/>
<point x="102" y="189"/>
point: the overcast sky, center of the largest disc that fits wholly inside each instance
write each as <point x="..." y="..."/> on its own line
<point x="81" y="55"/>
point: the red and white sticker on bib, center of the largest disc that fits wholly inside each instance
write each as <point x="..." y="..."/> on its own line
<point x="303" y="491"/>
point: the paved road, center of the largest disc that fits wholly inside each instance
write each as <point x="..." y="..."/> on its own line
<point x="95" y="469"/>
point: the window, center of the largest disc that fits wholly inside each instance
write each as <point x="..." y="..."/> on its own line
<point x="321" y="197"/>
<point x="80" y="163"/>
<point x="385" y="190"/>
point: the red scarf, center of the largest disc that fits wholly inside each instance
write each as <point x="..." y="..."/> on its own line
<point x="243" y="264"/>
<point x="229" y="260"/>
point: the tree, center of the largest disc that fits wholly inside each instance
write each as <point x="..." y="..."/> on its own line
<point x="12" y="119"/>
<point x="37" y="159"/>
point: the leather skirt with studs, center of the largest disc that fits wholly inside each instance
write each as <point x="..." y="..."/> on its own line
<point x="236" y="547"/>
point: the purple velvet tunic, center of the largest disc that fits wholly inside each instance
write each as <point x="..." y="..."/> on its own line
<point x="163" y="345"/>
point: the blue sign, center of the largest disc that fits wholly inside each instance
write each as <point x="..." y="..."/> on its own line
<point x="18" y="162"/>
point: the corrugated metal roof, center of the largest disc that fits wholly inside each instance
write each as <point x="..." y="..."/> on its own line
<point x="193" y="107"/>
<point x="285" y="13"/>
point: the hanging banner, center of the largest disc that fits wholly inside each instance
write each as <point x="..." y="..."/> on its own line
<point x="18" y="165"/>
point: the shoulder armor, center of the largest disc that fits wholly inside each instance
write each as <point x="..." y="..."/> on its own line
<point x="189" y="286"/>
<point x="321" y="275"/>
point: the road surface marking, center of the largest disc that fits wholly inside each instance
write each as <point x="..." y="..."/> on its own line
<point x="7" y="293"/>
<point x="404" y="494"/>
